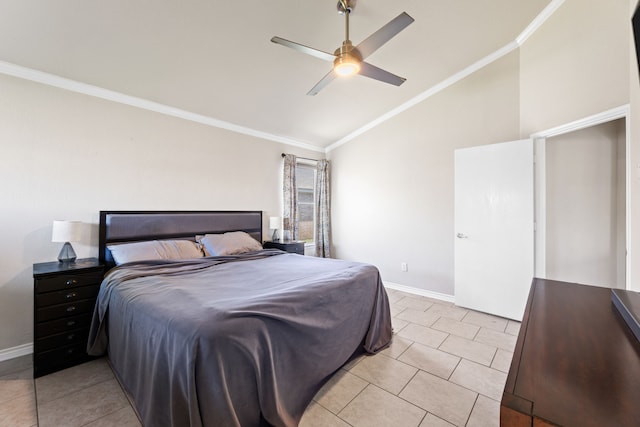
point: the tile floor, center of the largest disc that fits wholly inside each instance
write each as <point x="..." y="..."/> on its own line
<point x="446" y="367"/>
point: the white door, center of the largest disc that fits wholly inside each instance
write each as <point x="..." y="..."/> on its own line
<point x="494" y="242"/>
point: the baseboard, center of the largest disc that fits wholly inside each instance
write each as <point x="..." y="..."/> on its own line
<point x="421" y="292"/>
<point x="17" y="351"/>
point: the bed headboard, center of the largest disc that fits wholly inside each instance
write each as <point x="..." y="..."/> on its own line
<point x="136" y="226"/>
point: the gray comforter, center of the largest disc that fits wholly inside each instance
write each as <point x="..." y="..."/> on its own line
<point x="235" y="341"/>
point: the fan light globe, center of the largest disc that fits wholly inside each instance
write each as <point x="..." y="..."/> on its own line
<point x="346" y="65"/>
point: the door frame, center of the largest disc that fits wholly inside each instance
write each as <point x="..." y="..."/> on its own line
<point x="539" y="146"/>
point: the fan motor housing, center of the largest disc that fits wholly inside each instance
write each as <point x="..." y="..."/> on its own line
<point x="346" y="6"/>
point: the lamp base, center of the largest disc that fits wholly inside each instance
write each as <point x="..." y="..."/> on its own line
<point x="275" y="236"/>
<point x="67" y="254"/>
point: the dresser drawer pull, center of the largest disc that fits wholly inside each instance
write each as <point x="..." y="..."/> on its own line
<point x="71" y="350"/>
<point x="72" y="308"/>
<point x="72" y="282"/>
<point x="71" y="322"/>
<point x="71" y="295"/>
<point x="70" y="337"/>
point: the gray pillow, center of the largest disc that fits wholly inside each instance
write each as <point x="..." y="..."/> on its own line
<point x="232" y="243"/>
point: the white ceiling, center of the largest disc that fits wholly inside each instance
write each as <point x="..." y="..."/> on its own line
<point x="214" y="58"/>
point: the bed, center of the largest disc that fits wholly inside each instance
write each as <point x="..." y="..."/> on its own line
<point x="228" y="339"/>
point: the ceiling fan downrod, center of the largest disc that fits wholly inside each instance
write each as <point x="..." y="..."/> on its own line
<point x="346" y="11"/>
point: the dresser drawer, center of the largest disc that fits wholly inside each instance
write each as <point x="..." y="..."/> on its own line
<point x="77" y="336"/>
<point x="68" y="295"/>
<point x="67" y="281"/>
<point x="64" y="310"/>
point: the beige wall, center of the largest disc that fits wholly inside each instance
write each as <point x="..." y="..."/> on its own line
<point x="580" y="63"/>
<point x="68" y="156"/>
<point x="393" y="186"/>
<point x="585" y="188"/>
<point x="575" y="65"/>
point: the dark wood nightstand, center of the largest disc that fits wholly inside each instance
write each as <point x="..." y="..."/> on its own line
<point x="288" y="246"/>
<point x="64" y="298"/>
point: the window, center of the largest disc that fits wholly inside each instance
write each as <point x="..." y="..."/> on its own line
<point x="305" y="180"/>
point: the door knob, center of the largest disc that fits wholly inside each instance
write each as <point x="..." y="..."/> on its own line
<point x="462" y="236"/>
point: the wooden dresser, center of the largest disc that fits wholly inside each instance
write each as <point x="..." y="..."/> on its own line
<point x="64" y="298"/>
<point x="576" y="361"/>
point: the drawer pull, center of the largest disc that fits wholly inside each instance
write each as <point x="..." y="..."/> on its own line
<point x="71" y="295"/>
<point x="71" y="308"/>
<point x="70" y="337"/>
<point x="71" y="350"/>
<point x="71" y="322"/>
<point x="72" y="282"/>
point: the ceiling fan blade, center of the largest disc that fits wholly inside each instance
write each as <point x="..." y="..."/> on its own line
<point x="384" y="34"/>
<point x="304" y="49"/>
<point x="328" y="78"/>
<point x="376" y="73"/>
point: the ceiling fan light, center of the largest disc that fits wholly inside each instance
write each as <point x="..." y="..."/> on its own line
<point x="346" y="65"/>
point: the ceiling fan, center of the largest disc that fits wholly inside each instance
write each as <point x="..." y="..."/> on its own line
<point x="348" y="59"/>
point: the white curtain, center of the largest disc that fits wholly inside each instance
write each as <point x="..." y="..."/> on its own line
<point x="323" y="210"/>
<point x="290" y="197"/>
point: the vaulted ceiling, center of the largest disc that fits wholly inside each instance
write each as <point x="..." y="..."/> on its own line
<point x="214" y="58"/>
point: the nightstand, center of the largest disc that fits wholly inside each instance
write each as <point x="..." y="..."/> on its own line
<point x="64" y="298"/>
<point x="287" y="246"/>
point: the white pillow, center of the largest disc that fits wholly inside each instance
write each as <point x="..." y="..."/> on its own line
<point x="232" y="243"/>
<point x="154" y="250"/>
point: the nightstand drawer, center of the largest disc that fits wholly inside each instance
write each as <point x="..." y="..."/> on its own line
<point x="64" y="299"/>
<point x="64" y="310"/>
<point x="293" y="247"/>
<point x="49" y="361"/>
<point x="67" y="281"/>
<point x="68" y="295"/>
<point x="66" y="324"/>
<point x="77" y="336"/>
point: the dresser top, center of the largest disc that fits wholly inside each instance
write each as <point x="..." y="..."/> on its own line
<point x="59" y="267"/>
<point x="576" y="361"/>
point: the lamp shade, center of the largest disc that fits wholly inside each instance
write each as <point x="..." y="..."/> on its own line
<point x="274" y="222"/>
<point x="66" y="231"/>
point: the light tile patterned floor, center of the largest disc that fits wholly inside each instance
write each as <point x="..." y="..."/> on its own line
<point x="446" y="367"/>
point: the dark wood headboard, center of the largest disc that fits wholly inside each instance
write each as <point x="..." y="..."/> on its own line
<point x="137" y="226"/>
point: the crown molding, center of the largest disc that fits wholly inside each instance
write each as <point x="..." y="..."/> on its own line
<point x="98" y="92"/>
<point x="428" y="93"/>
<point x="538" y="21"/>
<point x="48" y="79"/>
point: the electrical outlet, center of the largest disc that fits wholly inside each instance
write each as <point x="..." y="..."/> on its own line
<point x="404" y="267"/>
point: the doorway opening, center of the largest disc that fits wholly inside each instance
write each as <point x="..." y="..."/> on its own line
<point x="582" y="175"/>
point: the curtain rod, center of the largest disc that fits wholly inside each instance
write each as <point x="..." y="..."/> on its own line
<point x="303" y="158"/>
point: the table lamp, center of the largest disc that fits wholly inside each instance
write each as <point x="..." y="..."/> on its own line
<point x="66" y="231"/>
<point x="274" y="224"/>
